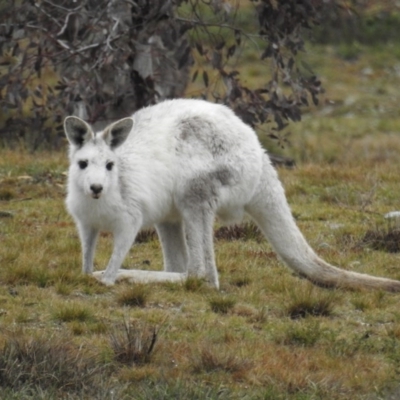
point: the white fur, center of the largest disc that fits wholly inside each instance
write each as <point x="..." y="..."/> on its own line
<point x="176" y="166"/>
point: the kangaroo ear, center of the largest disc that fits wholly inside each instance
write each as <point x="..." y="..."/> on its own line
<point x="116" y="134"/>
<point x="77" y="131"/>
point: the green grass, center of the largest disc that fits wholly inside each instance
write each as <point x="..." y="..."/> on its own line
<point x="267" y="334"/>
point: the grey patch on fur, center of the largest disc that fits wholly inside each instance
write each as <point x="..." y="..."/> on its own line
<point x="204" y="132"/>
<point x="204" y="188"/>
<point x="223" y="175"/>
<point x="200" y="190"/>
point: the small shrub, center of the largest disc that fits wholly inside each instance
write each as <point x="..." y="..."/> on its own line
<point x="222" y="304"/>
<point x="134" y="295"/>
<point x="133" y="344"/>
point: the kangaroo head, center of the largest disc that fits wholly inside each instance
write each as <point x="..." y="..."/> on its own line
<point x="93" y="162"/>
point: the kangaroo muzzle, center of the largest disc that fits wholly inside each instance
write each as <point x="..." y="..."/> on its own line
<point x="96" y="190"/>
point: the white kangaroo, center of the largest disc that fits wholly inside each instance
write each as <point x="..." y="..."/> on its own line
<point x="176" y="166"/>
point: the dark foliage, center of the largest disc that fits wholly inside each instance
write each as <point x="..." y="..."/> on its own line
<point x="102" y="60"/>
<point x="107" y="59"/>
<point x="277" y="28"/>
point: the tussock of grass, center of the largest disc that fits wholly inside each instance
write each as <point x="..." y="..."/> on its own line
<point x="135" y="295"/>
<point x="241" y="281"/>
<point x="78" y="327"/>
<point x="49" y="363"/>
<point x="72" y="311"/>
<point x="368" y="301"/>
<point x="261" y="315"/>
<point x="133" y="344"/>
<point x="212" y="359"/>
<point x="194" y="284"/>
<point x="63" y="289"/>
<point x="301" y="334"/>
<point x="361" y="304"/>
<point x="307" y="300"/>
<point x="6" y="194"/>
<point x="24" y="274"/>
<point x="222" y="304"/>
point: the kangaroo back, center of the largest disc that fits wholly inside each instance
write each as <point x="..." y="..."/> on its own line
<point x="271" y="212"/>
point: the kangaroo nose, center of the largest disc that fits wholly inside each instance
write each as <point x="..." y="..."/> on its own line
<point x="96" y="189"/>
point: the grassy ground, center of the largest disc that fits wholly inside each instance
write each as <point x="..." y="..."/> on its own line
<point x="267" y="334"/>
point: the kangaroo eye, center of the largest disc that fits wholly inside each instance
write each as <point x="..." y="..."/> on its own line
<point x="82" y="164"/>
<point x="109" y="166"/>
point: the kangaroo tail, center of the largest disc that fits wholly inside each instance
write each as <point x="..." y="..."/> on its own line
<point x="271" y="212"/>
